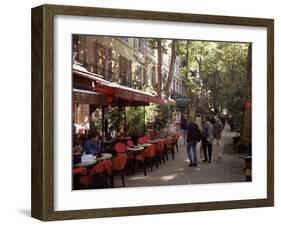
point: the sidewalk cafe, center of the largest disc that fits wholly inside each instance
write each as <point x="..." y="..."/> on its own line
<point x="116" y="153"/>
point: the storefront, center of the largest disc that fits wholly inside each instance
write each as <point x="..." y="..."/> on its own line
<point x="93" y="96"/>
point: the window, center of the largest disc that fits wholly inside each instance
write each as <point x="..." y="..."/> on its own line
<point x="75" y="40"/>
<point x="137" y="80"/>
<point x="125" y="71"/>
<point x="125" y="39"/>
<point x="145" y="77"/>
<point x="153" y="76"/>
<point x="139" y="45"/>
<point x="101" y="58"/>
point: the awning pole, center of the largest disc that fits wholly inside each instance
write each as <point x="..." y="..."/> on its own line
<point x="144" y="118"/>
<point x="102" y="121"/>
<point x="125" y="120"/>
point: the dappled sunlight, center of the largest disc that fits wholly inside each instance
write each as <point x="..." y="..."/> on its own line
<point x="135" y="178"/>
<point x="169" y="177"/>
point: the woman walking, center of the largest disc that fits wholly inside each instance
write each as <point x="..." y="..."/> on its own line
<point x="217" y="130"/>
<point x="193" y="136"/>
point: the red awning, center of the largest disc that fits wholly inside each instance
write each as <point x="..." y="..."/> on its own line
<point x="88" y="97"/>
<point x="116" y="94"/>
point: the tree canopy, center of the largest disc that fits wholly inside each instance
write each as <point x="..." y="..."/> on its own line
<point x="216" y="74"/>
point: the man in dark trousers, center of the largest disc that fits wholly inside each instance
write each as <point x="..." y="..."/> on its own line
<point x="193" y="136"/>
<point x="207" y="139"/>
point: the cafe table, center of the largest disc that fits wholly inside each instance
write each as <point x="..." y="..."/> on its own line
<point x="90" y="160"/>
<point x="144" y="145"/>
<point x="155" y="141"/>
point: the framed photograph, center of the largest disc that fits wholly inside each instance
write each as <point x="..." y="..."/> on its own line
<point x="141" y="112"/>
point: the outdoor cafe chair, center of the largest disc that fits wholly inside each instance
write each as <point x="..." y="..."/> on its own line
<point x="119" y="163"/>
<point x="159" y="147"/>
<point x="120" y="148"/>
<point x="149" y="152"/>
<point x="77" y="173"/>
<point x="169" y="148"/>
<point x="98" y="175"/>
<point x="146" y="138"/>
<point x="136" y="157"/>
<point x="175" y="141"/>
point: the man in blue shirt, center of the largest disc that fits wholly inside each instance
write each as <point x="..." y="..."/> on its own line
<point x="92" y="146"/>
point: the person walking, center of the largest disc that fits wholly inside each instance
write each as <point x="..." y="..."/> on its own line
<point x="223" y="120"/>
<point x="183" y="127"/>
<point x="207" y="139"/>
<point x="193" y="136"/>
<point x="217" y="130"/>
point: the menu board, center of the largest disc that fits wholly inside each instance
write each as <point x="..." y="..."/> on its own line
<point x="247" y="127"/>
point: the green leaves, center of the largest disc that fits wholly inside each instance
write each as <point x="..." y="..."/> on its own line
<point x="218" y="70"/>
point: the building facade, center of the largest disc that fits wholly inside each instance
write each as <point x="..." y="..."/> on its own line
<point x="123" y="60"/>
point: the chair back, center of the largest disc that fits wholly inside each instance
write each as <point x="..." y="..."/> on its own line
<point x="130" y="143"/>
<point x="146" y="138"/>
<point x="169" y="140"/>
<point x="159" y="146"/>
<point x="150" y="151"/>
<point x="119" y="162"/>
<point x="79" y="171"/>
<point x="103" y="166"/>
<point x="120" y="148"/>
<point x="141" y="140"/>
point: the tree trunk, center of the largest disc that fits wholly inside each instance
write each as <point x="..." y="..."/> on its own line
<point x="159" y="69"/>
<point x="203" y="96"/>
<point x="249" y="70"/>
<point x="187" y="56"/>
<point x="171" y="70"/>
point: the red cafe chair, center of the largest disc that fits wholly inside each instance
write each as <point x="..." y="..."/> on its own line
<point x="141" y="140"/>
<point x="77" y="173"/>
<point x="169" y="148"/>
<point x="149" y="153"/>
<point x="120" y="148"/>
<point x="98" y="175"/>
<point x="159" y="147"/>
<point x="136" y="157"/>
<point x="175" y="141"/>
<point x="118" y="166"/>
<point x="146" y="138"/>
<point x="119" y="163"/>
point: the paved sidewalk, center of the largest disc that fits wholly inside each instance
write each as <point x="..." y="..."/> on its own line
<point x="226" y="166"/>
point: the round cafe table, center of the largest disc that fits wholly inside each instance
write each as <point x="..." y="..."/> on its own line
<point x="144" y="145"/>
<point x="135" y="148"/>
<point x="90" y="160"/>
<point x="104" y="156"/>
<point x="155" y="141"/>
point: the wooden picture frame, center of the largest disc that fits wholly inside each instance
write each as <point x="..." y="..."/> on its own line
<point x="42" y="205"/>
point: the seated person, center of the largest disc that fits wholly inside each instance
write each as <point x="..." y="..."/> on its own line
<point x="76" y="151"/>
<point x="92" y="146"/>
<point x="111" y="133"/>
<point x="77" y="147"/>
